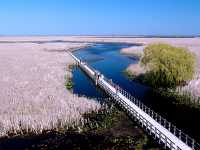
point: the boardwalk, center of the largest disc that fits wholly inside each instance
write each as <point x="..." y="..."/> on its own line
<point x="161" y="130"/>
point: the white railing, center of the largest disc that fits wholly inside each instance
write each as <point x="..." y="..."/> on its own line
<point x="146" y="124"/>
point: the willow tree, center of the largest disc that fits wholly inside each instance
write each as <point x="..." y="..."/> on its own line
<point x="168" y="66"/>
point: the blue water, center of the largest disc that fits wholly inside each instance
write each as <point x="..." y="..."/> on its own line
<point x="107" y="59"/>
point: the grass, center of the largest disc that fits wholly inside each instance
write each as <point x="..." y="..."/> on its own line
<point x="120" y="130"/>
<point x="191" y="89"/>
<point x="108" y="128"/>
<point x="135" y="52"/>
<point x="34" y="99"/>
<point x="140" y="78"/>
<point x="184" y="98"/>
<point x="36" y="118"/>
<point x="129" y="75"/>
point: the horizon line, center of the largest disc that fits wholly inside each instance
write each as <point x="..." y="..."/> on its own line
<point x="106" y="35"/>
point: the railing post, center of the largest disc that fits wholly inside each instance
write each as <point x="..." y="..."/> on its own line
<point x="148" y="110"/>
<point x="150" y="129"/>
<point x="164" y="123"/>
<point x="160" y="120"/>
<point x="165" y="142"/>
<point x="169" y="127"/>
<point x="155" y="133"/>
<point x="193" y="142"/>
<point x="186" y="139"/>
<point x="179" y="134"/>
<point x="141" y="121"/>
<point x="174" y="130"/>
<point x="171" y="147"/>
<point x="159" y="137"/>
<point x="152" y="114"/>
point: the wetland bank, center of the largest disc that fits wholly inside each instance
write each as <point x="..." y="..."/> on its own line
<point x="103" y="60"/>
<point x="113" y="130"/>
<point x="37" y="130"/>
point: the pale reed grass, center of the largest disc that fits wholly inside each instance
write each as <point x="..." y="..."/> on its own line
<point x="19" y="117"/>
<point x="192" y="89"/>
<point x="33" y="97"/>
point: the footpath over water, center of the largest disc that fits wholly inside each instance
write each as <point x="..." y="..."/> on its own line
<point x="162" y="131"/>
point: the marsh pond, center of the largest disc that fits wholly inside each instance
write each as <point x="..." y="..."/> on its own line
<point x="106" y="58"/>
<point x="110" y="128"/>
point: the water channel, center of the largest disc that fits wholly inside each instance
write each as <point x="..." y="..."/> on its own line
<point x="107" y="59"/>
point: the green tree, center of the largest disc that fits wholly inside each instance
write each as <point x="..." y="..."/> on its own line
<point x="168" y="66"/>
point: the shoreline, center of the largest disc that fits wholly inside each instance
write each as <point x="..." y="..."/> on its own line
<point x="33" y="96"/>
<point x="36" y="59"/>
<point x="133" y="51"/>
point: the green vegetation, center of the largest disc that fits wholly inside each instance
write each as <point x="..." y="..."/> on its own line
<point x="185" y="99"/>
<point x="119" y="131"/>
<point x="69" y="84"/>
<point x="137" y="78"/>
<point x="129" y="74"/>
<point x="71" y="66"/>
<point x="167" y="66"/>
<point x="68" y="80"/>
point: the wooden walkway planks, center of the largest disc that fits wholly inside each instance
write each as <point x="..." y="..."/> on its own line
<point x="161" y="133"/>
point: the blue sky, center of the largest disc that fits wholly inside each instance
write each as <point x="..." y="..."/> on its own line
<point x="99" y="17"/>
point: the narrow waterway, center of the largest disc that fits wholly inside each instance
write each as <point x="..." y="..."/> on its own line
<point x="107" y="59"/>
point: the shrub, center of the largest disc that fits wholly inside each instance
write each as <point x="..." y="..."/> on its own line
<point x="69" y="84"/>
<point x="168" y="66"/>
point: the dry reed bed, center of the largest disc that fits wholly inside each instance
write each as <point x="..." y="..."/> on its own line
<point x="33" y="96"/>
<point x="192" y="44"/>
<point x="193" y="87"/>
<point x="136" y="51"/>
